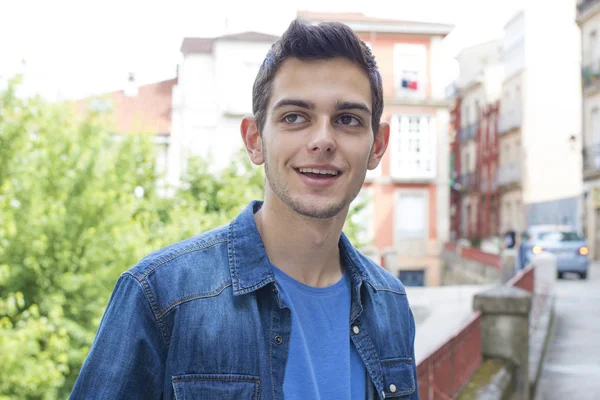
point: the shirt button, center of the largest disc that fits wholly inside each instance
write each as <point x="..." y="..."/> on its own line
<point x="355" y="329"/>
<point x="278" y="339"/>
<point x="393" y="388"/>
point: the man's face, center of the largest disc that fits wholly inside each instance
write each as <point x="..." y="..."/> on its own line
<point x="317" y="139"/>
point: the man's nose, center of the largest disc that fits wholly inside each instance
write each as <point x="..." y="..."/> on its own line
<point x="323" y="138"/>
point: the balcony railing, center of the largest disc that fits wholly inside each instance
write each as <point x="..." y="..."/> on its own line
<point x="590" y="74"/>
<point x="509" y="120"/>
<point x="509" y="174"/>
<point x="468" y="132"/>
<point x="467" y="181"/>
<point x="585" y="5"/>
<point x="591" y="158"/>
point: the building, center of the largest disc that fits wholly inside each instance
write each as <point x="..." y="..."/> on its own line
<point x="474" y="143"/>
<point x="140" y="109"/>
<point x="588" y="19"/>
<point x="512" y="171"/>
<point x="407" y="217"/>
<point x="213" y="93"/>
<point x="540" y="121"/>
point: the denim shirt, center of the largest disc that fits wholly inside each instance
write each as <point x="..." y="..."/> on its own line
<point x="203" y="319"/>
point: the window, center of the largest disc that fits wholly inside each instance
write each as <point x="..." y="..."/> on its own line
<point x="412" y="277"/>
<point x="413" y="146"/>
<point x="557" y="237"/>
<point x="411" y="214"/>
<point x="410" y="68"/>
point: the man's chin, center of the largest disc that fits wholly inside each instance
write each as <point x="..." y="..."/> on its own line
<point x="317" y="211"/>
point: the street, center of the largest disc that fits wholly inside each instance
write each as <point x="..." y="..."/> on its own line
<point x="572" y="365"/>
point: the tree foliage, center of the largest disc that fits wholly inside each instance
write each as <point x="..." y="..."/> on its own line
<point x="71" y="223"/>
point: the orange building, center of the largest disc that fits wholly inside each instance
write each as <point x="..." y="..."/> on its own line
<point x="407" y="219"/>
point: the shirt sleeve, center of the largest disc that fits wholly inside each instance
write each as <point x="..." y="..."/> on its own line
<point x="127" y="357"/>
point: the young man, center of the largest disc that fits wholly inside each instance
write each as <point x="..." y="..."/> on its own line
<point x="278" y="304"/>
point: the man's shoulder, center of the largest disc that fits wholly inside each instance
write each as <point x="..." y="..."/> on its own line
<point x="201" y="259"/>
<point x="379" y="277"/>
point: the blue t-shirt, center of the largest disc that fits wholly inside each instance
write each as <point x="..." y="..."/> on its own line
<point x="322" y="361"/>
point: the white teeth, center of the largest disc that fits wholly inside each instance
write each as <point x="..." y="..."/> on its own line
<point x="318" y="171"/>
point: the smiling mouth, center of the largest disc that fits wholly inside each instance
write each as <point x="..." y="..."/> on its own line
<point x="319" y="173"/>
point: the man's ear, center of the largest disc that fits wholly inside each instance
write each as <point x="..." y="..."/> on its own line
<point x="252" y="140"/>
<point x="380" y="145"/>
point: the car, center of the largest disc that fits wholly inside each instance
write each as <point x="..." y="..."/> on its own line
<point x="566" y="243"/>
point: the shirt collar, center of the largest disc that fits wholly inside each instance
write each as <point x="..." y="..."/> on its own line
<point x="249" y="263"/>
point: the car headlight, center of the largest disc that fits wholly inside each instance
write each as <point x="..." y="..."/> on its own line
<point x="536" y="250"/>
<point x="584" y="251"/>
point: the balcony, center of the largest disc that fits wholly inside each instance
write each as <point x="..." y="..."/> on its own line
<point x="509" y="174"/>
<point x="469" y="132"/>
<point x="488" y="186"/>
<point x="590" y="77"/>
<point x="509" y="120"/>
<point x="591" y="159"/>
<point x="467" y="181"/>
<point x="586" y="9"/>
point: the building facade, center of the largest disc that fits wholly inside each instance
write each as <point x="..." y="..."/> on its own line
<point x="407" y="196"/>
<point x="588" y="19"/>
<point x="474" y="144"/>
<point x="543" y="141"/>
<point x="213" y="93"/>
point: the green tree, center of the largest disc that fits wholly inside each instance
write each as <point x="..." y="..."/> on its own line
<point x="71" y="223"/>
<point x="68" y="227"/>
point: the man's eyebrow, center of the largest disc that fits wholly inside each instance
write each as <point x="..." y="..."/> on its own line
<point x="348" y="105"/>
<point x="293" y="102"/>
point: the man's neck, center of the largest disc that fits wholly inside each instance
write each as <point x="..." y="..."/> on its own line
<point x="304" y="248"/>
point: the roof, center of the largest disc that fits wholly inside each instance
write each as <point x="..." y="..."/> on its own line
<point x="147" y="112"/>
<point x="362" y="23"/>
<point x="205" y="45"/>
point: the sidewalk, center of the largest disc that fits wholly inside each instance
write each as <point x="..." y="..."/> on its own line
<point x="571" y="368"/>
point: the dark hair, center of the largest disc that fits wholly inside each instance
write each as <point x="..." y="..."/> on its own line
<point x="316" y="42"/>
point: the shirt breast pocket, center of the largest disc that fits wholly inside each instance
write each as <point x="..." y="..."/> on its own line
<point x="398" y="377"/>
<point x="216" y="386"/>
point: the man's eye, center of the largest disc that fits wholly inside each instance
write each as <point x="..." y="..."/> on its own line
<point x="294" y="119"/>
<point x="349" y="120"/>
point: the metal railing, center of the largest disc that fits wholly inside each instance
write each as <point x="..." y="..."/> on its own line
<point x="466" y="181"/>
<point x="591" y="158"/>
<point x="469" y="132"/>
<point x="590" y="73"/>
<point x="509" y="120"/>
<point x="509" y="173"/>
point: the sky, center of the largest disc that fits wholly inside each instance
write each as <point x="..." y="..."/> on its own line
<point x="73" y="49"/>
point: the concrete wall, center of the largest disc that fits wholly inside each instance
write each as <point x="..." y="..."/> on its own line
<point x="563" y="211"/>
<point x="458" y="271"/>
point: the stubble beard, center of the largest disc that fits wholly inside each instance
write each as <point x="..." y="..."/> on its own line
<point x="317" y="211"/>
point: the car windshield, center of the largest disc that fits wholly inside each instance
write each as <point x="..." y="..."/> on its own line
<point x="559" y="237"/>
